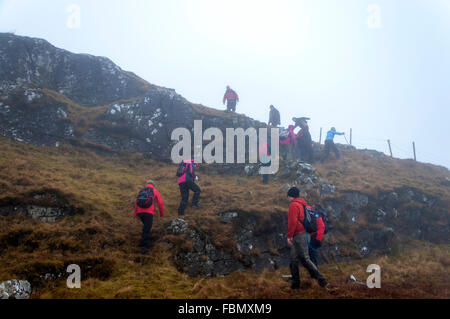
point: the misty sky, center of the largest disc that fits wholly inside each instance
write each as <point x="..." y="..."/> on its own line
<point x="381" y="67"/>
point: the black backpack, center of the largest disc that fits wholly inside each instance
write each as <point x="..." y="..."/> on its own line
<point x="180" y="170"/>
<point x="145" y="198"/>
<point x="312" y="214"/>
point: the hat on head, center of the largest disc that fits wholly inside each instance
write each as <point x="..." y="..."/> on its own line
<point x="294" y="192"/>
<point x="151" y="182"/>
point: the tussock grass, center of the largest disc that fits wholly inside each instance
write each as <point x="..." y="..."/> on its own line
<point x="105" y="236"/>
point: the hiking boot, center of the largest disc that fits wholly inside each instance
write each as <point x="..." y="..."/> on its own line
<point x="180" y="214"/>
<point x="323" y="283"/>
<point x="196" y="206"/>
<point x="295" y="286"/>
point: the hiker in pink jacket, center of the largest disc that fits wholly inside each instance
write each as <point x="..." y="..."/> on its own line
<point x="289" y="143"/>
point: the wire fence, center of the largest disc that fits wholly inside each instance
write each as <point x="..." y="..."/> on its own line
<point x="399" y="149"/>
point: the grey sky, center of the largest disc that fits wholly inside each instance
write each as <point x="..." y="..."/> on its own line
<point x="380" y="67"/>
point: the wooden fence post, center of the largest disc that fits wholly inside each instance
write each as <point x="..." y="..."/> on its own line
<point x="414" y="150"/>
<point x="390" y="149"/>
<point x="351" y="133"/>
<point x="320" y="138"/>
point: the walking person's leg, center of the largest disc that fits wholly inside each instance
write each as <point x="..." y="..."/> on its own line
<point x="313" y="255"/>
<point x="335" y="150"/>
<point x="326" y="152"/>
<point x="302" y="248"/>
<point x="293" y="266"/>
<point x="147" y="220"/>
<point x="196" y="189"/>
<point x="184" y="192"/>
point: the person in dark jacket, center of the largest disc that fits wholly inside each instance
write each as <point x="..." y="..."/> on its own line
<point x="265" y="153"/>
<point x="186" y="181"/>
<point x="329" y="144"/>
<point x="298" y="241"/>
<point x="232" y="98"/>
<point x="274" y="116"/>
<point x="146" y="216"/>
<point x="304" y="140"/>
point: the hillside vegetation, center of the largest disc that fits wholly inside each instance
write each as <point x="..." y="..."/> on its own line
<point x="102" y="236"/>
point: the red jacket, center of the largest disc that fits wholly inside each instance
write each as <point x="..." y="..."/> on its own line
<point x="151" y="210"/>
<point x="296" y="212"/>
<point x="230" y="95"/>
<point x="320" y="229"/>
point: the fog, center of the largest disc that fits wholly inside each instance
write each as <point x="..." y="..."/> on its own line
<point x="380" y="68"/>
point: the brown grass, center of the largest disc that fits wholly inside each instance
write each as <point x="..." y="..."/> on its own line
<point x="106" y="235"/>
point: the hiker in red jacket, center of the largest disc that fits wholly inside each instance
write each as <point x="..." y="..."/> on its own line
<point x="298" y="241"/>
<point x="147" y="197"/>
<point x="186" y="181"/>
<point x="232" y="98"/>
<point x="316" y="242"/>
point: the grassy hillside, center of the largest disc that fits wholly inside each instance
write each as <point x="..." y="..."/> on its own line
<point x="104" y="235"/>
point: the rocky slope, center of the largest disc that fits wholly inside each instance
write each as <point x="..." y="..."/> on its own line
<point x="64" y="198"/>
<point x="49" y="95"/>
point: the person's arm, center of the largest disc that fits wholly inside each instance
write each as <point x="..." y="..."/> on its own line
<point x="340" y="133"/>
<point x="292" y="221"/>
<point x="160" y="203"/>
<point x="237" y="97"/>
<point x="224" y="97"/>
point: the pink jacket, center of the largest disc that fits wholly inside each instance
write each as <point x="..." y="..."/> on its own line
<point x="188" y="171"/>
<point x="291" y="138"/>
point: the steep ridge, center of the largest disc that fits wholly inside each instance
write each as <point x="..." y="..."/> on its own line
<point x="74" y="156"/>
<point x="49" y="95"/>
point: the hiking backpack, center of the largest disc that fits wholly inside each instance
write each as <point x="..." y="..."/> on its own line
<point x="145" y="197"/>
<point x="180" y="170"/>
<point x="284" y="133"/>
<point x="312" y="215"/>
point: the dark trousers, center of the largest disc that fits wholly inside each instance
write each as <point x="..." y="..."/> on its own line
<point x="184" y="190"/>
<point x="231" y="105"/>
<point x="305" y="150"/>
<point x="313" y="253"/>
<point x="147" y="220"/>
<point x="300" y="254"/>
<point x="265" y="177"/>
<point x="330" y="146"/>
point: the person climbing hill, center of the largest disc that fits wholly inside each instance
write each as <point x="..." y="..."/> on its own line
<point x="329" y="144"/>
<point x="290" y="144"/>
<point x="144" y="209"/>
<point x="274" y="116"/>
<point x="297" y="239"/>
<point x="304" y="140"/>
<point x="186" y="181"/>
<point x="232" y="98"/>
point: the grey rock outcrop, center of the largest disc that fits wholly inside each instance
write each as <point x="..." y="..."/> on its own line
<point x="85" y="79"/>
<point x="15" y="289"/>
<point x="41" y="86"/>
<point x="178" y="226"/>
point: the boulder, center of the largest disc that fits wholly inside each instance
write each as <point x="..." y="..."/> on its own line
<point x="15" y="289"/>
<point x="228" y="217"/>
<point x="178" y="226"/>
